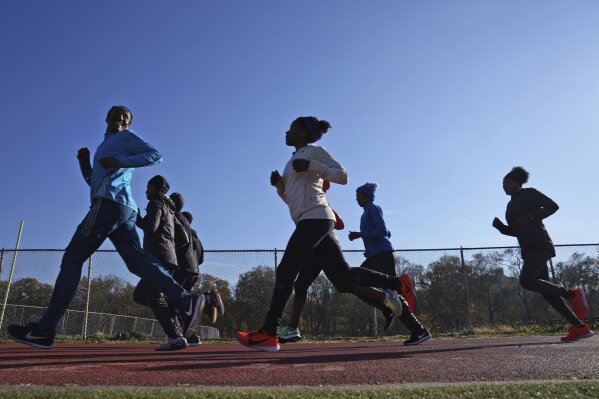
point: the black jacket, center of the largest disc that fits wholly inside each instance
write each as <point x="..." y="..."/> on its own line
<point x="159" y="231"/>
<point x="186" y="258"/>
<point x="535" y="206"/>
<point x="198" y="248"/>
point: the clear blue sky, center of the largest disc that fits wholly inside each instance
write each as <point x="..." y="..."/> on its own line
<point x="434" y="100"/>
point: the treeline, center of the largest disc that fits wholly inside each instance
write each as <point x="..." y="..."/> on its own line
<point x="452" y="296"/>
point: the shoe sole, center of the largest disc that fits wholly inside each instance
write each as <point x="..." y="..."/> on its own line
<point x="421" y="340"/>
<point x="289" y="340"/>
<point x="199" y="309"/>
<point x="259" y="348"/>
<point x="37" y="346"/>
<point x="220" y="305"/>
<point x="587" y="335"/>
<point x="583" y="310"/>
<point x="395" y="305"/>
<point x="175" y="348"/>
<point x="194" y="345"/>
<point x="409" y="277"/>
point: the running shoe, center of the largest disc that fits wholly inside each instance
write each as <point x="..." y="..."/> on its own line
<point x="579" y="302"/>
<point x="31" y="335"/>
<point x="576" y="333"/>
<point x="418" y="337"/>
<point x="172" y="344"/>
<point x="288" y="334"/>
<point x="194" y="340"/>
<point x="393" y="302"/>
<point x="408" y="291"/>
<point x="258" y="340"/>
<point x="190" y="314"/>
<point x="390" y="321"/>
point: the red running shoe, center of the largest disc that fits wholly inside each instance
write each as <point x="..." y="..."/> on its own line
<point x="407" y="290"/>
<point x="258" y="340"/>
<point x="576" y="333"/>
<point x="579" y="303"/>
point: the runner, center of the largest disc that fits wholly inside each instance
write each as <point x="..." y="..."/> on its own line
<point x="159" y="241"/>
<point x="300" y="187"/>
<point x="524" y="214"/>
<point x="380" y="256"/>
<point x="112" y="215"/>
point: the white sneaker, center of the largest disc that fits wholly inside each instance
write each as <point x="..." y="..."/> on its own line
<point x="173" y="344"/>
<point x="288" y="334"/>
<point x="393" y="302"/>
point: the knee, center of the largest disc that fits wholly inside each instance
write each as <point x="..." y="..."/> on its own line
<point x="344" y="285"/>
<point x="527" y="283"/>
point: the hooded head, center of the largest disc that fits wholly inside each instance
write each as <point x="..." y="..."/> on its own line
<point x="178" y="200"/>
<point x="157" y="187"/>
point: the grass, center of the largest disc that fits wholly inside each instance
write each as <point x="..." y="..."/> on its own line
<point x="545" y="390"/>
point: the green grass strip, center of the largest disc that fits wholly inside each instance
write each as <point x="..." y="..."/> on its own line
<point x="545" y="390"/>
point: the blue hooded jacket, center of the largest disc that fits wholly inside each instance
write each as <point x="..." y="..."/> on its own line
<point x="130" y="151"/>
<point x="373" y="231"/>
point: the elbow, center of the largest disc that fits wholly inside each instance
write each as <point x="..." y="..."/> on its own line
<point x="342" y="178"/>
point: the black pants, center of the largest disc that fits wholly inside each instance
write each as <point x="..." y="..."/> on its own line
<point x="535" y="277"/>
<point x="312" y="239"/>
<point x="146" y="294"/>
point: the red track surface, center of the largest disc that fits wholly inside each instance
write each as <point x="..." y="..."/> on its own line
<point x="443" y="360"/>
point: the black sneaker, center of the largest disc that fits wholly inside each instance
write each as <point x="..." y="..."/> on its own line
<point x="194" y="340"/>
<point x="418" y="337"/>
<point x="31" y="335"/>
<point x="390" y="320"/>
<point x="191" y="314"/>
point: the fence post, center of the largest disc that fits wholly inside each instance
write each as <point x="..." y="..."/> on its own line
<point x="89" y="280"/>
<point x="552" y="271"/>
<point x="276" y="260"/>
<point x="111" y="326"/>
<point x="12" y="269"/>
<point x="464" y="274"/>
<point x="1" y="262"/>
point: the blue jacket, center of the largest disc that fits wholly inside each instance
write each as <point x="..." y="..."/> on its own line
<point x="130" y="151"/>
<point x="373" y="231"/>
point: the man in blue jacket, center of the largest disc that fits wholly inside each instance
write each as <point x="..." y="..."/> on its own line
<point x="112" y="215"/>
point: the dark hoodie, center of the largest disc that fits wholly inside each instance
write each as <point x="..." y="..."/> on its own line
<point x="186" y="257"/>
<point x="533" y="204"/>
<point x="159" y="230"/>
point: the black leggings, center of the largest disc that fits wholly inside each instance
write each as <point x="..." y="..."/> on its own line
<point x="146" y="294"/>
<point x="312" y="238"/>
<point x="383" y="263"/>
<point x="535" y="277"/>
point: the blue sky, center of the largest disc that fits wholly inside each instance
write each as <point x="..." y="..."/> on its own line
<point x="433" y="100"/>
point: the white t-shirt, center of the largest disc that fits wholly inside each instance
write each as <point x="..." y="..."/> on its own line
<point x="302" y="191"/>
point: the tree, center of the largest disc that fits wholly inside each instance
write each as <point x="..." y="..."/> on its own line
<point x="252" y="296"/>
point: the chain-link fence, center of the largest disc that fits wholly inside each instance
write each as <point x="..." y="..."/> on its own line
<point x="458" y="288"/>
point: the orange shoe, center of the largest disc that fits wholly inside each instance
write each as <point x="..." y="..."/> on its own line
<point x="258" y="340"/>
<point x="576" y="333"/>
<point x="407" y="290"/>
<point x="579" y="303"/>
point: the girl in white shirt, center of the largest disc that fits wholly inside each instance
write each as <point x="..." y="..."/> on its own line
<point x="301" y="189"/>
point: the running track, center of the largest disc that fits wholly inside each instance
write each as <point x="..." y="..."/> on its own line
<point x="441" y="360"/>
